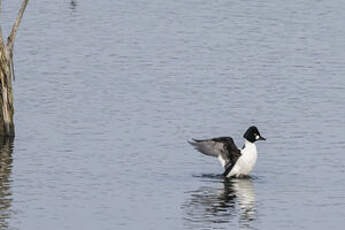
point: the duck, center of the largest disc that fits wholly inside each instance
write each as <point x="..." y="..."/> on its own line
<point x="236" y="162"/>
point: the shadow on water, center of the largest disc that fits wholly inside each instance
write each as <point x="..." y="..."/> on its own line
<point x="232" y="201"/>
<point x="6" y="149"/>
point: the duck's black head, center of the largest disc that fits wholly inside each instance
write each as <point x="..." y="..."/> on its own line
<point x="252" y="134"/>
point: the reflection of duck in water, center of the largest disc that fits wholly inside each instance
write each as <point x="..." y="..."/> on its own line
<point x="244" y="190"/>
<point x="73" y="4"/>
<point x="235" y="199"/>
<point x="6" y="148"/>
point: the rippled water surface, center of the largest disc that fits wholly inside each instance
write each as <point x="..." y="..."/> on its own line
<point x="107" y="93"/>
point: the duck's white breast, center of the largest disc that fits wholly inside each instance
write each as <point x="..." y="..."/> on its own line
<point x="246" y="162"/>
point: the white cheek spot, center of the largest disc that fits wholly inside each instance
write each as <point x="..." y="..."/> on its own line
<point x="257" y="137"/>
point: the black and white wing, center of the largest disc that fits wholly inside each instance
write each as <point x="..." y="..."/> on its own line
<point x="222" y="147"/>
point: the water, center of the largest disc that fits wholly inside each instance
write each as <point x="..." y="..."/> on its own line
<point x="108" y="92"/>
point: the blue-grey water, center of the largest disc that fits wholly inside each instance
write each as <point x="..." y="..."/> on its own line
<point x="107" y="93"/>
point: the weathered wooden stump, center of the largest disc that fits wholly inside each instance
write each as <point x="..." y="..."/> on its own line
<point x="6" y="75"/>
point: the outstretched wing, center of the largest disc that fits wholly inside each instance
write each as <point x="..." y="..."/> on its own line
<point x="222" y="147"/>
<point x="207" y="147"/>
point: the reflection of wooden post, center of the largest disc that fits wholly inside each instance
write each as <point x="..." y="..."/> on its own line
<point x="6" y="148"/>
<point x="6" y="74"/>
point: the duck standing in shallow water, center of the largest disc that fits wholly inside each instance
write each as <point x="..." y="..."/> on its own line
<point x="236" y="162"/>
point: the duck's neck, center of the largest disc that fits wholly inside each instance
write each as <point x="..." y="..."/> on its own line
<point x="249" y="145"/>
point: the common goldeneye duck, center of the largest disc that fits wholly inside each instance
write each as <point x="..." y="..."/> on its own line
<point x="236" y="162"/>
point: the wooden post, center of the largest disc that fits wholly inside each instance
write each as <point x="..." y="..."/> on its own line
<point x="6" y="75"/>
